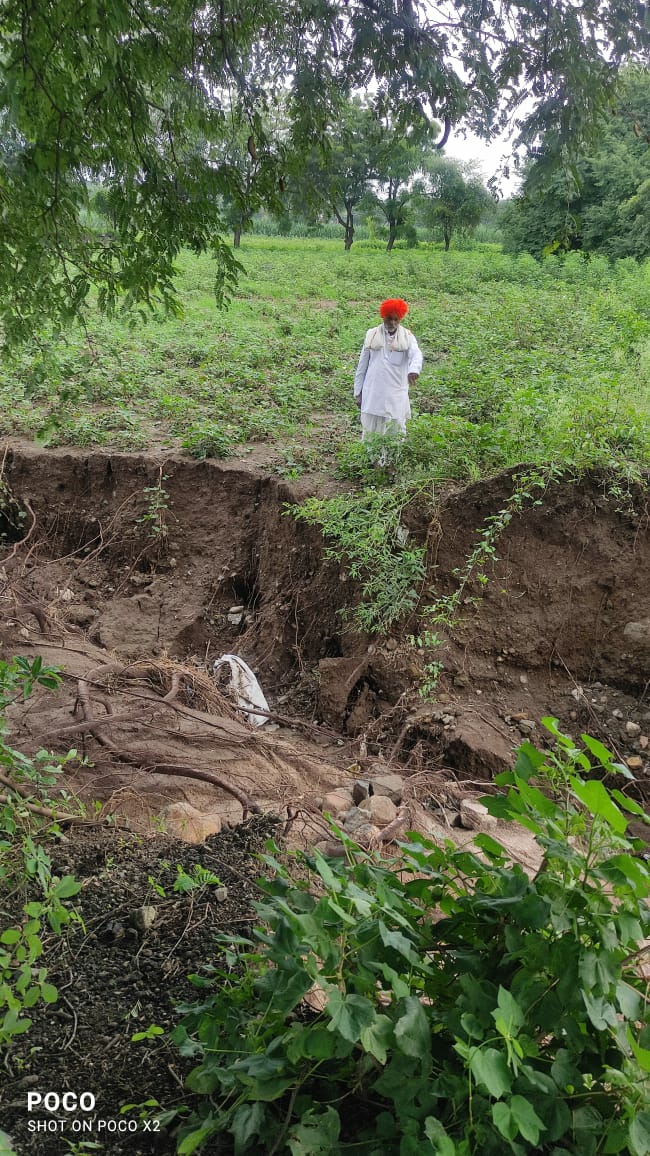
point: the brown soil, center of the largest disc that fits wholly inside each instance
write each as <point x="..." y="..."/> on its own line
<point x="126" y="572"/>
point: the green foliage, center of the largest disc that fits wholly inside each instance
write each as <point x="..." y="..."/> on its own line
<point x="26" y="815"/>
<point x="448" y="1003"/>
<point x="600" y="203"/>
<point x="138" y="103"/>
<point x="452" y="197"/>
<point x="366" y="535"/>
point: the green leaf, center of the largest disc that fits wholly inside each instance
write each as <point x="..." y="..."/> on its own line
<point x="512" y="1016"/>
<point x="349" y="1014"/>
<point x="247" y="1121"/>
<point x="489" y="1067"/>
<point x="596" y="798"/>
<point x="11" y="935"/>
<point x="398" y="942"/>
<point x="412" y="1032"/>
<point x="316" y="1135"/>
<point x="504" y="1120"/>
<point x="441" y="1142"/>
<point x="67" y="887"/>
<point x="640" y="1134"/>
<point x="598" y="750"/>
<point x="49" y="992"/>
<point x="378" y="1037"/>
<point x="642" y="1054"/>
<point x="527" y="1119"/>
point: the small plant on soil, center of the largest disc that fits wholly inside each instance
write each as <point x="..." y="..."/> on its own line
<point x="27" y="818"/>
<point x="366" y="534"/>
<point x="448" y="1002"/>
<point x="157" y="508"/>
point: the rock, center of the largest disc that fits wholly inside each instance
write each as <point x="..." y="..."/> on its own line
<point x="353" y="819"/>
<point x="360" y="790"/>
<point x="390" y="785"/>
<point x="143" y="918"/>
<point x="474" y="816"/>
<point x="379" y="810"/>
<point x="523" y="678"/>
<point x="643" y="742"/>
<point x="235" y="619"/>
<point x="220" y="894"/>
<point x="337" y="802"/>
<point x="634" y="763"/>
<point x="81" y="615"/>
<point x="617" y="713"/>
<point x="526" y="726"/>
<point x="632" y="729"/>
<point x="184" y="822"/>
<point x="638" y="633"/>
<point x="477" y="748"/>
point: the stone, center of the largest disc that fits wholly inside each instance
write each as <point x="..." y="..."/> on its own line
<point x="632" y="729"/>
<point x="390" y="785"/>
<point x="81" y="614"/>
<point x="526" y="726"/>
<point x="379" y="809"/>
<point x="474" y="816"/>
<point x="360" y="790"/>
<point x="143" y="918"/>
<point x="185" y="822"/>
<point x="635" y="763"/>
<point x="638" y="633"/>
<point x="337" y="802"/>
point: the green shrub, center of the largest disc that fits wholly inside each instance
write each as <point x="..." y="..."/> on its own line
<point x="26" y="815"/>
<point x="466" y="1007"/>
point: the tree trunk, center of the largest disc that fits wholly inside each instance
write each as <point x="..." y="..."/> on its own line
<point x="237" y="238"/>
<point x="447" y="235"/>
<point x="392" y="233"/>
<point x="349" y="228"/>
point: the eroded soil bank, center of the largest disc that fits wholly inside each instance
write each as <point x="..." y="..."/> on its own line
<point x="133" y="573"/>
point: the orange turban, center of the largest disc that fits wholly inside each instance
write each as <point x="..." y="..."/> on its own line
<point x="393" y="305"/>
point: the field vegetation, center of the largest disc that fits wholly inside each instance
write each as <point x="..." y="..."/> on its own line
<point x="524" y="361"/>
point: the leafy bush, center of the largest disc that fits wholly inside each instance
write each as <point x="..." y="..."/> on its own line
<point x="448" y="1003"/>
<point x="26" y="814"/>
<point x="366" y="534"/>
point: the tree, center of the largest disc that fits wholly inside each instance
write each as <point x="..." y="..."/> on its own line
<point x="599" y="204"/>
<point x="134" y="95"/>
<point x="398" y="160"/>
<point x="452" y="196"/>
<point x="336" y="174"/>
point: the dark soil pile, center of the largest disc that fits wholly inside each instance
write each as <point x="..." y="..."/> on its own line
<point x="115" y="980"/>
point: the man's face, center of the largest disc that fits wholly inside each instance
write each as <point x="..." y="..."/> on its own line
<point x="391" y="322"/>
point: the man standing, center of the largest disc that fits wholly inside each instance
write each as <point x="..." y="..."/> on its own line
<point x="390" y="362"/>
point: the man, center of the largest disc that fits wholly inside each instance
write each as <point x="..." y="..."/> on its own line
<point x="390" y="362"/>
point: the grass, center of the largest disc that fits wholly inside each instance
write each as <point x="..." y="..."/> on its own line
<point x="523" y="362"/>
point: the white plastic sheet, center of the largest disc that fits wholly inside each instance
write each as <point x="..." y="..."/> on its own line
<point x="247" y="689"/>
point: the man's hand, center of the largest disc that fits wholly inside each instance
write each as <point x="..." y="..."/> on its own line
<point x="357" y="400"/>
<point x="413" y="378"/>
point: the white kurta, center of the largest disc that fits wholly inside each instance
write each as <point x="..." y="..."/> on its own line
<point x="382" y="378"/>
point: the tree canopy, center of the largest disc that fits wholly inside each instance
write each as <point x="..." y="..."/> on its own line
<point x="602" y="202"/>
<point x="136" y="96"/>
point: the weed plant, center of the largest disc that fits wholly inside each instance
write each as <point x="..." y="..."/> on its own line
<point x="27" y="821"/>
<point x="449" y="1002"/>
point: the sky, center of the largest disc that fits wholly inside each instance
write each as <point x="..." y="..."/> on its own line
<point x="488" y="156"/>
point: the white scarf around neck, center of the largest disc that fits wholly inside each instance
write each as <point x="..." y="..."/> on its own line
<point x="399" y="341"/>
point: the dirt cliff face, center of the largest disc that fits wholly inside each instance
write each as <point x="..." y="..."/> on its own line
<point x="140" y="558"/>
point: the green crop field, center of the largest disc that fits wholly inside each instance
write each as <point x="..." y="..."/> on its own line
<point x="523" y="362"/>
